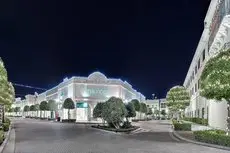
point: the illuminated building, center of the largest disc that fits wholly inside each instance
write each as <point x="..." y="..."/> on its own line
<point x="216" y="36"/>
<point x="86" y="92"/>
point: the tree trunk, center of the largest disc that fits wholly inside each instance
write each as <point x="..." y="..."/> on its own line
<point x="68" y="114"/>
<point x="228" y="118"/>
<point x="115" y="125"/>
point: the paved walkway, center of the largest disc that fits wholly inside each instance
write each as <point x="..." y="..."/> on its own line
<point x="49" y="137"/>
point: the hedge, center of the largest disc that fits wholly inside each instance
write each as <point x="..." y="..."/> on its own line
<point x="69" y="120"/>
<point x="197" y="120"/>
<point x="217" y="137"/>
<point x="6" y="126"/>
<point x="182" y="126"/>
<point x="1" y="136"/>
<point x="114" y="129"/>
<point x="7" y="120"/>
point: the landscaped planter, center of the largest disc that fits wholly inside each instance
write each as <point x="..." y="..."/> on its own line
<point x="182" y="126"/>
<point x="217" y="137"/>
<point x="137" y="120"/>
<point x="114" y="129"/>
<point x="69" y="121"/>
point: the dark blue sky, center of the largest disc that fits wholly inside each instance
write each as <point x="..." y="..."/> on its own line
<point x="148" y="43"/>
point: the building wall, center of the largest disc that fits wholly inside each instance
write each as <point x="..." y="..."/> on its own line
<point x="214" y="37"/>
<point x="91" y="90"/>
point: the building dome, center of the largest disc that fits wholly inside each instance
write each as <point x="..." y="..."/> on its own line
<point x="97" y="76"/>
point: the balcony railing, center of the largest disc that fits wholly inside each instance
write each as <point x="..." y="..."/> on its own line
<point x="222" y="9"/>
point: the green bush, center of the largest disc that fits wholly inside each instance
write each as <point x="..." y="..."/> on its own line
<point x="69" y="120"/>
<point x="182" y="126"/>
<point x="1" y="136"/>
<point x="217" y="137"/>
<point x="5" y="126"/>
<point x="7" y="120"/>
<point x="197" y="120"/>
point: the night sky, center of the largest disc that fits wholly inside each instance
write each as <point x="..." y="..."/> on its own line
<point x="150" y="44"/>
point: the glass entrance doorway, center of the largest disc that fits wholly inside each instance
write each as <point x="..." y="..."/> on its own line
<point x="82" y="111"/>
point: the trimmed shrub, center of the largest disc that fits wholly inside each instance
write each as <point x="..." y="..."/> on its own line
<point x="69" y="120"/>
<point x="182" y="126"/>
<point x="5" y="126"/>
<point x="217" y="137"/>
<point x="114" y="129"/>
<point x="1" y="136"/>
<point x="7" y="120"/>
<point x="197" y="120"/>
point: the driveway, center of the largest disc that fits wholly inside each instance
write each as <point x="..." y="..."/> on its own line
<point x="33" y="136"/>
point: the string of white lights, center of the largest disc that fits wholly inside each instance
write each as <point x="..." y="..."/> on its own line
<point x="26" y="86"/>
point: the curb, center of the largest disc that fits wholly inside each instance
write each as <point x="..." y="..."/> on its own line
<point x="175" y="134"/>
<point x="114" y="132"/>
<point x="6" y="139"/>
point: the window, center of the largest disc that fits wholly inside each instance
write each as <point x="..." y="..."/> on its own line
<point x="195" y="87"/>
<point x="202" y="112"/>
<point x="198" y="64"/>
<point x="203" y="55"/>
<point x="163" y="105"/>
<point x="198" y="84"/>
<point x="196" y="70"/>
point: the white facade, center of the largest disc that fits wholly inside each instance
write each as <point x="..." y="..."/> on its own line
<point x="86" y="92"/>
<point x="216" y="36"/>
<point x="157" y="104"/>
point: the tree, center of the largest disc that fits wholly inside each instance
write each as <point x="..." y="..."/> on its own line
<point x="156" y="111"/>
<point x="130" y="111"/>
<point x="7" y="94"/>
<point x="43" y="106"/>
<point x="52" y="106"/>
<point x="68" y="104"/>
<point x="32" y="109"/>
<point x="150" y="112"/>
<point x="114" y="111"/>
<point x="163" y="112"/>
<point x="26" y="109"/>
<point x="136" y="104"/>
<point x="97" y="111"/>
<point x="215" y="80"/>
<point x="17" y="109"/>
<point x="178" y="99"/>
<point x="37" y="108"/>
<point x="10" y="110"/>
<point x="143" y="108"/>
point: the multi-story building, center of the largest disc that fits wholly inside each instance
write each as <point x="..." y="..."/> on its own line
<point x="157" y="104"/>
<point x="86" y="92"/>
<point x="215" y="37"/>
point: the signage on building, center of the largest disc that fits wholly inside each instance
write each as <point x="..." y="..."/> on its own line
<point x="82" y="105"/>
<point x="96" y="91"/>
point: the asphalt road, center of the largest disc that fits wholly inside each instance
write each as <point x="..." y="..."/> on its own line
<point x="33" y="136"/>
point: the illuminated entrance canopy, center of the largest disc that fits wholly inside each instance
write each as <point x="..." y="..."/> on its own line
<point x="82" y="105"/>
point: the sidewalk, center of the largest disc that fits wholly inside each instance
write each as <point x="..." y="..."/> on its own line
<point x="10" y="146"/>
